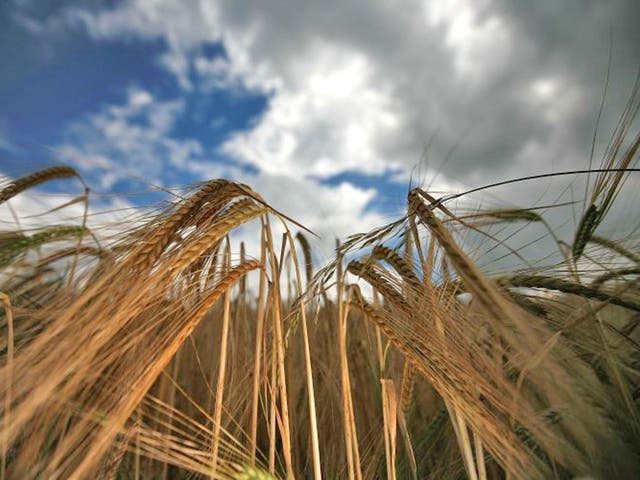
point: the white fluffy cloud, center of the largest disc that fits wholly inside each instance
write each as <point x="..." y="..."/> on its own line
<point x="132" y="139"/>
<point x="336" y="121"/>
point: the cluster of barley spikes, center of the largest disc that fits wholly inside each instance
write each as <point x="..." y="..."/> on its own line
<point x="166" y="351"/>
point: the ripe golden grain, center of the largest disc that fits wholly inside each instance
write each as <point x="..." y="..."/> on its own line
<point x="36" y="178"/>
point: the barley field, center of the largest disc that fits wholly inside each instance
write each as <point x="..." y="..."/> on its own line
<point x="164" y="349"/>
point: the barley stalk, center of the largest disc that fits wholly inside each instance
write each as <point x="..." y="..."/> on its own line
<point x="10" y="251"/>
<point x="112" y="461"/>
<point x="406" y="390"/>
<point x="23" y="183"/>
<point x="616" y="247"/>
<point x="313" y="415"/>
<point x="308" y="259"/>
<point x="238" y="213"/>
<point x="142" y="384"/>
<point x="215" y="189"/>
<point x="350" y="434"/>
<point x="444" y="374"/>
<point x="565" y="286"/>
<point x="605" y="277"/>
<point x="585" y="230"/>
<point x="389" y="416"/>
<point x="222" y="370"/>
<point x="478" y="285"/>
<point x="279" y="354"/>
<point x="399" y="264"/>
<point x="259" y="338"/>
<point x="4" y="446"/>
<point x="379" y="283"/>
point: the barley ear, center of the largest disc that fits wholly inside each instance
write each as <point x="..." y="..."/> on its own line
<point x="587" y="226"/>
<point x="36" y="178"/>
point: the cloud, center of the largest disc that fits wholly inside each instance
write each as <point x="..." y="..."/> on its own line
<point x="133" y="139"/>
<point x="480" y="41"/>
<point x="362" y="89"/>
<point x="508" y="87"/>
<point x="330" y="211"/>
<point x="183" y="25"/>
<point x="336" y="122"/>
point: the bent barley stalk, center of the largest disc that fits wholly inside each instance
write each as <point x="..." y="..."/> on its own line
<point x="471" y="276"/>
<point x="239" y="213"/>
<point x="36" y="178"/>
<point x="382" y="285"/>
<point x="127" y="404"/>
<point x="614" y="274"/>
<point x="163" y="235"/>
<point x="525" y="336"/>
<point x="616" y="247"/>
<point x="308" y="259"/>
<point x="11" y="250"/>
<point x="398" y="263"/>
<point x="449" y="380"/>
<point x="566" y="286"/>
<point x="587" y="226"/>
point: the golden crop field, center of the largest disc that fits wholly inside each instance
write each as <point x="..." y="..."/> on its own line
<point x="165" y="350"/>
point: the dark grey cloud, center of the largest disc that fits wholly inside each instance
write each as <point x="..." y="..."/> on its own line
<point x="491" y="111"/>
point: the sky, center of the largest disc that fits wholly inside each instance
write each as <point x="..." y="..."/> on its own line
<point x="329" y="109"/>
